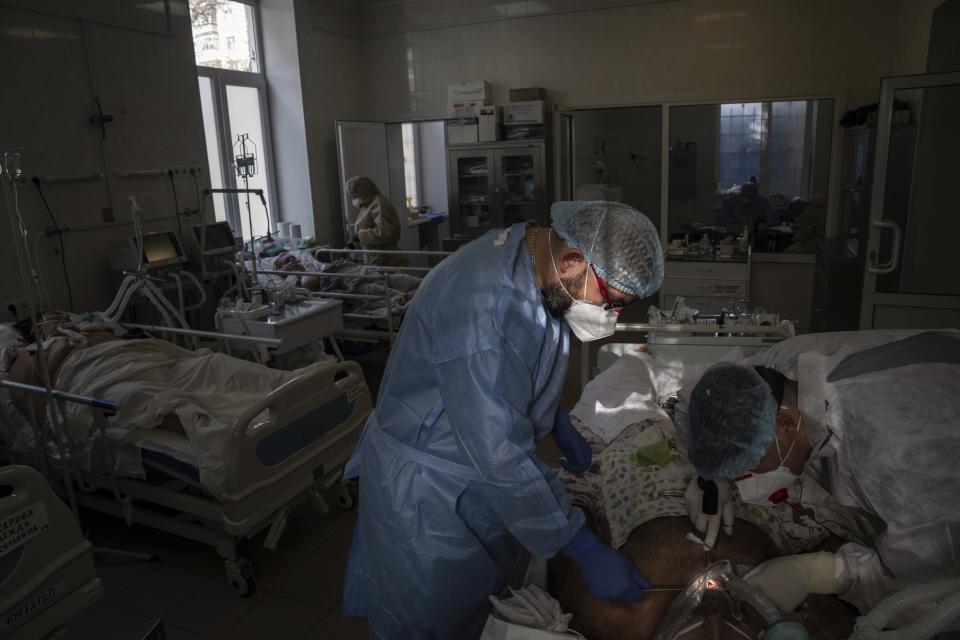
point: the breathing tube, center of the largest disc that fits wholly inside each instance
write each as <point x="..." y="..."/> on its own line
<point x="869" y="627"/>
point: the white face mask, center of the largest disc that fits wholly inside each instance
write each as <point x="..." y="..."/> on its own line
<point x="588" y="321"/>
<point x="771" y="487"/>
<point x="357" y="202"/>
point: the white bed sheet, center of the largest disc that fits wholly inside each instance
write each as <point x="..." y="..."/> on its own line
<point x="151" y="379"/>
<point x="630" y="390"/>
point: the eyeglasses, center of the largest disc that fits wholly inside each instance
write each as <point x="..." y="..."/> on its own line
<point x="609" y="303"/>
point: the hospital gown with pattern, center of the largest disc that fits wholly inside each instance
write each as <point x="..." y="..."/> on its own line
<point x="450" y="488"/>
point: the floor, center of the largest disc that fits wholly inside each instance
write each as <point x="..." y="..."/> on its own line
<point x="298" y="595"/>
<point x="299" y="587"/>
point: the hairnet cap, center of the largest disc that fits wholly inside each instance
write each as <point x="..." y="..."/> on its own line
<point x="361" y="187"/>
<point x="733" y="419"/>
<point x="620" y="242"/>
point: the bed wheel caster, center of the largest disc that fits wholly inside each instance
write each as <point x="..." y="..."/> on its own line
<point x="344" y="497"/>
<point x="240" y="576"/>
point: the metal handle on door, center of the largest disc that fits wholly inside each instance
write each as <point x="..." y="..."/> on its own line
<point x="891" y="266"/>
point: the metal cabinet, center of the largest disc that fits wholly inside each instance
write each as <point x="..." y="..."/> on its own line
<point x="496" y="185"/>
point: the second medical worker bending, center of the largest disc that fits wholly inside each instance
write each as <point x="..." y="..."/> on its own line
<point x="450" y="487"/>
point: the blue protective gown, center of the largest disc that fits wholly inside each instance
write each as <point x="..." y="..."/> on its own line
<point x="450" y="488"/>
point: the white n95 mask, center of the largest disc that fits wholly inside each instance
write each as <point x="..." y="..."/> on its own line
<point x="771" y="487"/>
<point x="588" y="321"/>
<point x="357" y="202"/>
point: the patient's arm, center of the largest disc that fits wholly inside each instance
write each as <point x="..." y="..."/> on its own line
<point x="665" y="557"/>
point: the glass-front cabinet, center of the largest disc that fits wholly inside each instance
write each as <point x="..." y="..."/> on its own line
<point x="496" y="185"/>
<point x="519" y="185"/>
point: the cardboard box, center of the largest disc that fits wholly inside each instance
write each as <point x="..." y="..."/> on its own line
<point x="462" y="130"/>
<point x="478" y="90"/>
<point x="528" y="93"/>
<point x="528" y="112"/>
<point x="467" y="109"/>
<point x="491" y="119"/>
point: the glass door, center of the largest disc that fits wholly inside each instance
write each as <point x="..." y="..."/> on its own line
<point x="912" y="277"/>
<point x="471" y="179"/>
<point x="520" y="185"/>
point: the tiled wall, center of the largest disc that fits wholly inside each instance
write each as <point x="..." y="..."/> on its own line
<point x="139" y="62"/>
<point x="332" y="90"/>
<point x="640" y="52"/>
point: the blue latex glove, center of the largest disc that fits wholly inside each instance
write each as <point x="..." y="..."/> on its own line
<point x="576" y="452"/>
<point x="609" y="574"/>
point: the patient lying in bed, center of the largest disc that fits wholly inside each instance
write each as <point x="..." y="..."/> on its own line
<point x="159" y="386"/>
<point x="633" y="494"/>
<point x="400" y="287"/>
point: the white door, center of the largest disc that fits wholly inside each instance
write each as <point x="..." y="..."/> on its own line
<point x="362" y="151"/>
<point x="912" y="275"/>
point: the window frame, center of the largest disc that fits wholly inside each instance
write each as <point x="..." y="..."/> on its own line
<point x="219" y="80"/>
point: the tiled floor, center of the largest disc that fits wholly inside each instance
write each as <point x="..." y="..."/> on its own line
<point x="298" y="594"/>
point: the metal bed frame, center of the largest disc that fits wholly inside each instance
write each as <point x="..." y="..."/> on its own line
<point x="392" y="315"/>
<point x="688" y="339"/>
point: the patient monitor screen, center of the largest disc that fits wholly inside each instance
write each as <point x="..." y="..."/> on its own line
<point x="158" y="247"/>
<point x="219" y="236"/>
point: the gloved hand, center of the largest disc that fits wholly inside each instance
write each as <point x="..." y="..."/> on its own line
<point x="788" y="580"/>
<point x="576" y="452"/>
<point x="609" y="574"/>
<point x="709" y="523"/>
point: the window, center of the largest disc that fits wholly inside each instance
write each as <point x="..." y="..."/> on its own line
<point x="766" y="141"/>
<point x="231" y="22"/>
<point x="233" y="102"/>
<point x="715" y="148"/>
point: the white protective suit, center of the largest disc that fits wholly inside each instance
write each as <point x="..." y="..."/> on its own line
<point x="883" y="472"/>
<point x="377" y="226"/>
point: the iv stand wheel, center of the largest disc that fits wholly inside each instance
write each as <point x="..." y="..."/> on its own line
<point x="240" y="577"/>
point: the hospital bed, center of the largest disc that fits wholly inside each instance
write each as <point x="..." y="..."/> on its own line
<point x="375" y="312"/>
<point x="288" y="447"/>
<point x="46" y="565"/>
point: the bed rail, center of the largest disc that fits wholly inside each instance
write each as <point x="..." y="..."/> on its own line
<point x="301" y="421"/>
<point x="387" y="297"/>
<point x="108" y="407"/>
<point x="704" y="330"/>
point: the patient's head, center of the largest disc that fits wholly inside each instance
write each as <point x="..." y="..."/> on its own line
<point x="287" y="262"/>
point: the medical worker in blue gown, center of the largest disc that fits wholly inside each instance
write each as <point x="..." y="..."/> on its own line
<point x="450" y="488"/>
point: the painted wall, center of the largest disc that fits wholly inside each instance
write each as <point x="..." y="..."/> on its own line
<point x="331" y="82"/>
<point x="139" y="62"/>
<point x="687" y="50"/>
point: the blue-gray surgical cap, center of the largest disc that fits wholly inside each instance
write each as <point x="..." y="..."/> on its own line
<point x="620" y="242"/>
<point x="733" y="420"/>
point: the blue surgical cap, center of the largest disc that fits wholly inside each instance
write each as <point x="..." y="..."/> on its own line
<point x="620" y="242"/>
<point x="733" y="420"/>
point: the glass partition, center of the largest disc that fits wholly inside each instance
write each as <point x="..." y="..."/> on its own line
<point x="754" y="169"/>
